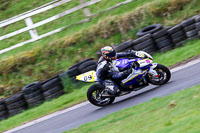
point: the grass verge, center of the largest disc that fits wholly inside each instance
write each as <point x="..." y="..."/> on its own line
<point x="189" y="50"/>
<point x="169" y="58"/>
<point x="170" y="114"/>
<point x="64" y="21"/>
<point x="47" y="58"/>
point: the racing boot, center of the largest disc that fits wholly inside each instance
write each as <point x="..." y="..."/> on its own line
<point x="114" y="92"/>
<point x="111" y="87"/>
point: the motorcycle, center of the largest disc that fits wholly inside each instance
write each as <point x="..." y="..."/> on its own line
<point x="150" y="72"/>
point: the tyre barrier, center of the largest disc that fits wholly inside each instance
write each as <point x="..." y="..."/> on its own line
<point x="153" y="38"/>
<point x="145" y="43"/>
<point x="191" y="27"/>
<point x="33" y="94"/>
<point x="162" y="40"/>
<point x="149" y="29"/>
<point x="52" y="88"/>
<point x="81" y="67"/>
<point x="15" y="104"/>
<point x="177" y="35"/>
<point x="125" y="46"/>
<point x="78" y="64"/>
<point x="73" y="72"/>
<point x="3" y="110"/>
<point x="87" y="66"/>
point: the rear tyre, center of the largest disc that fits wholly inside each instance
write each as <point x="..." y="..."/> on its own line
<point x="164" y="75"/>
<point x="94" y="96"/>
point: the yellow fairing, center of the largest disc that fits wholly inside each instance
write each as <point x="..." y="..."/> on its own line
<point x="87" y="77"/>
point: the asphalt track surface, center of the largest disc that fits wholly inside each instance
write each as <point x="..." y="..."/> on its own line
<point x="180" y="79"/>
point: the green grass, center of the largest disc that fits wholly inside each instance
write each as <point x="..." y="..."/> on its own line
<point x="189" y="50"/>
<point x="66" y="20"/>
<point x="11" y="8"/>
<point x="176" y="113"/>
<point x="78" y="95"/>
<point x="47" y="57"/>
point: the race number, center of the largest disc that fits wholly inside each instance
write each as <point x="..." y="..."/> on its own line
<point x="87" y="77"/>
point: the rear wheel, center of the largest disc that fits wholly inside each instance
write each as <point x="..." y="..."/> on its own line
<point x="94" y="95"/>
<point x="163" y="77"/>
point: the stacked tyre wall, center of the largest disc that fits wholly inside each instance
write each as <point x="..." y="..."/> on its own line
<point x="3" y="110"/>
<point x="150" y="39"/>
<point x="37" y="92"/>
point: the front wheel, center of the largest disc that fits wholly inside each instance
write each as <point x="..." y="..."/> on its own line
<point x="164" y="75"/>
<point x="94" y="95"/>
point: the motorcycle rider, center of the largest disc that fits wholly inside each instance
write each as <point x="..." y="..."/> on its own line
<point x="109" y="74"/>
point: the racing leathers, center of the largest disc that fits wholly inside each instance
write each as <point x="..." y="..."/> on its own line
<point x="107" y="73"/>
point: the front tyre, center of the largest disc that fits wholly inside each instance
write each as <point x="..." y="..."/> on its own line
<point x="163" y="77"/>
<point x="94" y="95"/>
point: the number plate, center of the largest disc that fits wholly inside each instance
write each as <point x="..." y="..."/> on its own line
<point x="87" y="77"/>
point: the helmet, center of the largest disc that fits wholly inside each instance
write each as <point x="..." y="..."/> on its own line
<point x="108" y="53"/>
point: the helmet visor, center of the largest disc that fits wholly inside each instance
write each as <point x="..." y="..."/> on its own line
<point x="111" y="54"/>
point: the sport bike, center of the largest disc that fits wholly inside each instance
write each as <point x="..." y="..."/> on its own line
<point x="149" y="73"/>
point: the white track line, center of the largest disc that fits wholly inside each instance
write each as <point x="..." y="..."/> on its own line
<point x="46" y="117"/>
<point x="193" y="62"/>
<point x="85" y="103"/>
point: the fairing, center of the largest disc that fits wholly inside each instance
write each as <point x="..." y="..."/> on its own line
<point x="145" y="66"/>
<point x="125" y="63"/>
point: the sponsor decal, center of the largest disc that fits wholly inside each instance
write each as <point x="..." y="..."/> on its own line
<point x="148" y="61"/>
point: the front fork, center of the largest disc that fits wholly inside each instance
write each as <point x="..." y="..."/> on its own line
<point x="152" y="71"/>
